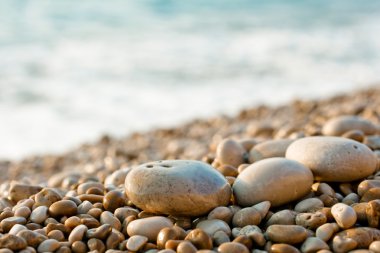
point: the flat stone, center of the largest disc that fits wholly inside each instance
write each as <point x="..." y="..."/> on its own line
<point x="277" y="180"/>
<point x="333" y="159"/>
<point x="18" y="191"/>
<point x="268" y="149"/>
<point x="342" y="124"/>
<point x="149" y="227"/>
<point x="290" y="234"/>
<point x="177" y="187"/>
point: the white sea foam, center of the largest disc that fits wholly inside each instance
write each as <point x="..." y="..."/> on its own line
<point x="70" y="71"/>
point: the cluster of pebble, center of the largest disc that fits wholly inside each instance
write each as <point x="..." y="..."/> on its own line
<point x="301" y="193"/>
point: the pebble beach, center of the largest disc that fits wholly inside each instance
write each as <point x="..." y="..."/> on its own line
<point x="302" y="177"/>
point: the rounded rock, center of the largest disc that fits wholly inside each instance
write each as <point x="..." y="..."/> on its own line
<point x="283" y="248"/>
<point x="268" y="149"/>
<point x="49" y="245"/>
<point x="177" y="187"/>
<point x="149" y="227"/>
<point x="232" y="247"/>
<point x="136" y="242"/>
<point x="344" y="215"/>
<point x="39" y="214"/>
<point x="230" y="152"/>
<point x="287" y="180"/>
<point x="212" y="226"/>
<point x="333" y="159"/>
<point x="63" y="208"/>
<point x="246" y="216"/>
<point x="313" y="244"/>
<point x="342" y="124"/>
<point x="291" y="234"/>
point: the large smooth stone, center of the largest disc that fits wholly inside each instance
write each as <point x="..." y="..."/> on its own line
<point x="177" y="187"/>
<point x="277" y="180"/>
<point x="333" y="159"/>
<point x="342" y="124"/>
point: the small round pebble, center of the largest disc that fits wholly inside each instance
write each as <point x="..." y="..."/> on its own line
<point x="344" y="215"/>
<point x="149" y="227"/>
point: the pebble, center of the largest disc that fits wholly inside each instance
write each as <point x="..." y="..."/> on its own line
<point x="311" y="220"/>
<point x="268" y="149"/>
<point x="373" y="213"/>
<point x="186" y="247"/>
<point x="48" y="245"/>
<point x="342" y="124"/>
<point x="221" y="213"/>
<point x="149" y="227"/>
<point x="39" y="214"/>
<point x="108" y="218"/>
<point x="200" y="239"/>
<point x="32" y="238"/>
<point x="214" y="225"/>
<point x="283" y="217"/>
<point x="113" y="200"/>
<point x="333" y="159"/>
<point x="308" y="205"/>
<point x="136" y="242"/>
<point x="246" y="216"/>
<point x="232" y="247"/>
<point x="375" y="246"/>
<point x="230" y="152"/>
<point x="326" y="231"/>
<point x="46" y="197"/>
<point x="220" y="237"/>
<point x="7" y="223"/>
<point x="344" y="215"/>
<point x="180" y="188"/>
<point x="283" y="248"/>
<point x="287" y="180"/>
<point x="12" y="242"/>
<point x="313" y="244"/>
<point x="77" y="233"/>
<point x="18" y="191"/>
<point x="166" y="234"/>
<point x="290" y="234"/>
<point x="63" y="208"/>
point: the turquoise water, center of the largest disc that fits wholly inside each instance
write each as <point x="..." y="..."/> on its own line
<point x="72" y="70"/>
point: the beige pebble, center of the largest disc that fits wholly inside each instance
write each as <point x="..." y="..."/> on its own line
<point x="177" y="187"/>
<point x="46" y="197"/>
<point x="277" y="174"/>
<point x="199" y="238"/>
<point x="57" y="235"/>
<point x="77" y="233"/>
<point x="232" y="247"/>
<point x="263" y="208"/>
<point x="84" y="207"/>
<point x="283" y="217"/>
<point x="214" y="225"/>
<point x="19" y="191"/>
<point x="308" y="205"/>
<point x="79" y="247"/>
<point x="333" y="159"/>
<point x="84" y="187"/>
<point x="344" y="215"/>
<point x="23" y="211"/>
<point x="63" y="208"/>
<point x="365" y="185"/>
<point x="48" y="245"/>
<point x="340" y="244"/>
<point x="326" y="231"/>
<point x="230" y="152"/>
<point x="268" y="149"/>
<point x="186" y="247"/>
<point x="108" y="218"/>
<point x="136" y="242"/>
<point x="123" y="212"/>
<point x="313" y="244"/>
<point x="228" y="170"/>
<point x="371" y="194"/>
<point x="117" y="178"/>
<point x="283" y="248"/>
<point x="311" y="220"/>
<point x="291" y="234"/>
<point x="342" y="124"/>
<point x="375" y="246"/>
<point x="221" y="213"/>
<point x="372" y="141"/>
<point x="16" y="228"/>
<point x="246" y="216"/>
<point x="362" y="236"/>
<point x="7" y="223"/>
<point x="149" y="227"/>
<point x="166" y="234"/>
<point x="39" y="214"/>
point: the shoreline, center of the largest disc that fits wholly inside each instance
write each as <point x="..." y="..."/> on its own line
<point x="197" y="138"/>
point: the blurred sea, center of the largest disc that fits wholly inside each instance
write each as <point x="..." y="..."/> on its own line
<point x="72" y="70"/>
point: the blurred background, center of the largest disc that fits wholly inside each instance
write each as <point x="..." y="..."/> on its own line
<point x="73" y="70"/>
